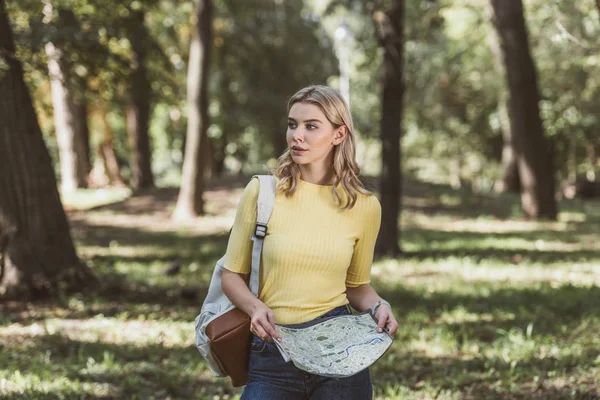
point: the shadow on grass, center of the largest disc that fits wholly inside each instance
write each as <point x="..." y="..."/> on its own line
<point x="472" y="237"/>
<point x="502" y="206"/>
<point x="481" y="378"/>
<point x="470" y="206"/>
<point x="509" y="256"/>
<point x="561" y="316"/>
<point x="554" y="311"/>
<point x="105" y="235"/>
<point x="130" y="370"/>
<point x="157" y="200"/>
<point x="443" y="244"/>
<point x="148" y="369"/>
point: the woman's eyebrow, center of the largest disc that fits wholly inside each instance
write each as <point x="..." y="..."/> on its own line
<point x="308" y="120"/>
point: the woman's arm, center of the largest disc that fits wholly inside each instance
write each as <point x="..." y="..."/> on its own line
<point x="235" y="287"/>
<point x="238" y="262"/>
<point x="363" y="297"/>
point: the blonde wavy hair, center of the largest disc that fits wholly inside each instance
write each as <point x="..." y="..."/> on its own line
<point x="345" y="168"/>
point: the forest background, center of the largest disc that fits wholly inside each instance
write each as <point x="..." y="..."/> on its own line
<point x="129" y="129"/>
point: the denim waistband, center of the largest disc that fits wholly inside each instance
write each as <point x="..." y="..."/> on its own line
<point x="341" y="310"/>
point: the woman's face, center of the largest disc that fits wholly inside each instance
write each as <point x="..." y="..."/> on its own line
<point x="310" y="136"/>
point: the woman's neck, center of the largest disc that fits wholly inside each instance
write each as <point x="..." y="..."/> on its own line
<point x="317" y="176"/>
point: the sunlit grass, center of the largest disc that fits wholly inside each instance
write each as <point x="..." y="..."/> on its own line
<point x="82" y="199"/>
<point x="452" y="271"/>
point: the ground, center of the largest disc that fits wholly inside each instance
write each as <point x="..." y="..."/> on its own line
<point x="490" y="306"/>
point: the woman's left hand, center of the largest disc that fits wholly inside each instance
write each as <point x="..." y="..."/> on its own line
<point x="386" y="319"/>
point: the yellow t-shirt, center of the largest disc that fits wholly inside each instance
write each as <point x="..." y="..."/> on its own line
<point x="312" y="250"/>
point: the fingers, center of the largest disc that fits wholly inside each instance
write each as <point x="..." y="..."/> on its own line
<point x="386" y="319"/>
<point x="273" y="332"/>
<point x="259" y="331"/>
<point x="382" y="322"/>
<point x="382" y="318"/>
<point x="263" y="326"/>
<point x="392" y="326"/>
<point x="265" y="331"/>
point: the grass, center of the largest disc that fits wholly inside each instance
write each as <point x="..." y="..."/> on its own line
<point x="490" y="306"/>
<point x="83" y="199"/>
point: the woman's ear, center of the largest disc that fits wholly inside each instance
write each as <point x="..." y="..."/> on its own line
<point x="340" y="134"/>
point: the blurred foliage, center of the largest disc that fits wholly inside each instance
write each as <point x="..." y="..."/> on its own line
<point x="453" y="83"/>
<point x="270" y="50"/>
<point x="266" y="50"/>
<point x="262" y="51"/>
<point x="566" y="38"/>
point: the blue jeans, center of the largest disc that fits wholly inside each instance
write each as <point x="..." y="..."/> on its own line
<point x="271" y="378"/>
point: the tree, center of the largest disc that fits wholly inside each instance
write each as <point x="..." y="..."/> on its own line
<point x="70" y="115"/>
<point x="389" y="26"/>
<point x="510" y="181"/>
<point x="138" y="111"/>
<point x="36" y="250"/>
<point x="390" y="37"/>
<point x="106" y="167"/>
<point x="533" y="155"/>
<point x="190" y="202"/>
<point x="228" y="123"/>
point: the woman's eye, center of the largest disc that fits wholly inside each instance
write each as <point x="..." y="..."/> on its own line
<point x="311" y="126"/>
<point x="291" y="125"/>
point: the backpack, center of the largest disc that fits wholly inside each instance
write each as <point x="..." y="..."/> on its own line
<point x="216" y="302"/>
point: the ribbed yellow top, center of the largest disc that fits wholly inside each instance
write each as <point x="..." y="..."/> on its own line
<point x="311" y="253"/>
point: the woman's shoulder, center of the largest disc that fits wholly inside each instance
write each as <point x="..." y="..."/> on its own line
<point x="251" y="190"/>
<point x="253" y="187"/>
<point x="368" y="203"/>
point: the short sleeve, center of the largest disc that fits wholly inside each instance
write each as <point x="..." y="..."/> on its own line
<point x="238" y="257"/>
<point x="359" y="271"/>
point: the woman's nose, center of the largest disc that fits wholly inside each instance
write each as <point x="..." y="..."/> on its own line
<point x="298" y="134"/>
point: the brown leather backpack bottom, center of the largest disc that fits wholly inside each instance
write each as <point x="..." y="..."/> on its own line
<point x="229" y="337"/>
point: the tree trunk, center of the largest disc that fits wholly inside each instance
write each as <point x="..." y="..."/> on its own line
<point x="138" y="112"/>
<point x="36" y="250"/>
<point x="227" y="103"/>
<point x="106" y="168"/>
<point x="534" y="158"/>
<point x="572" y="159"/>
<point x="510" y="177"/>
<point x="70" y="124"/>
<point x="279" y="140"/>
<point x="456" y="165"/>
<point x="208" y="159"/>
<point x="390" y="28"/>
<point x="218" y="156"/>
<point x="592" y="161"/>
<point x="109" y="155"/>
<point x="190" y="202"/>
<point x="83" y="130"/>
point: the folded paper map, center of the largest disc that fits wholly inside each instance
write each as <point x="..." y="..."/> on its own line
<point x="337" y="346"/>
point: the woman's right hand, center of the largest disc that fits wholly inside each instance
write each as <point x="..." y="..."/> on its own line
<point x="262" y="322"/>
<point x="262" y="319"/>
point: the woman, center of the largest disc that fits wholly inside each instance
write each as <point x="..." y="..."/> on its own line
<point x="318" y="250"/>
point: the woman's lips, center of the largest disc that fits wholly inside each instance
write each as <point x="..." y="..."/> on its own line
<point x="298" y="152"/>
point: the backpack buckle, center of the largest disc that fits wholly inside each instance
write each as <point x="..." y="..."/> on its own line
<point x="260" y="231"/>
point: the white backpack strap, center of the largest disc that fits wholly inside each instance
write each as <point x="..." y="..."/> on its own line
<point x="265" y="204"/>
